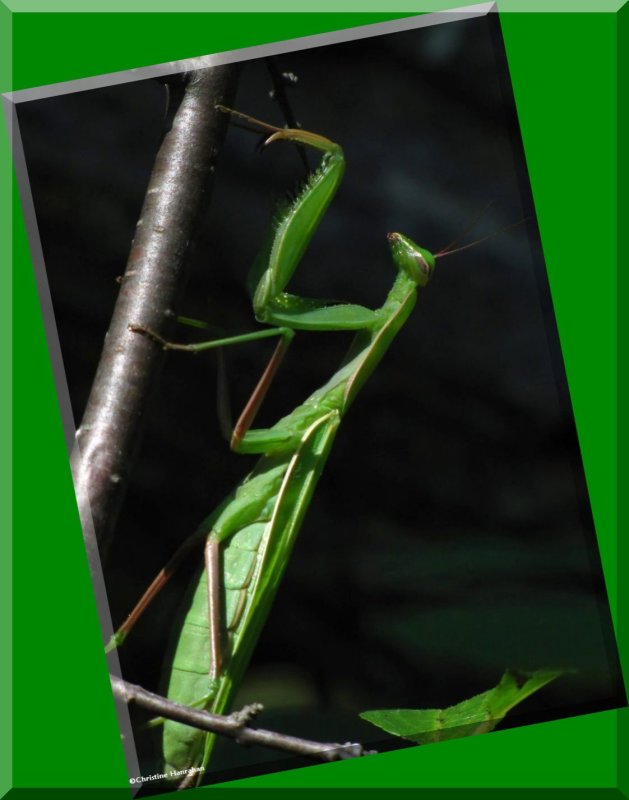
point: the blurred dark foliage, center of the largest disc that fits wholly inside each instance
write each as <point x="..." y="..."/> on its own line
<point x="451" y="535"/>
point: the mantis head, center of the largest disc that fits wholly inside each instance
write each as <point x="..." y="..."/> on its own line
<point x="417" y="262"/>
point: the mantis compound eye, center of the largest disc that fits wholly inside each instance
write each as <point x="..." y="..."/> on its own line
<point x="416" y="261"/>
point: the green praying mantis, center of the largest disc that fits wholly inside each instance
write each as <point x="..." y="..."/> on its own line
<point x="249" y="537"/>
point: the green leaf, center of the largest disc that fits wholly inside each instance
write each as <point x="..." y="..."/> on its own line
<point x="479" y="714"/>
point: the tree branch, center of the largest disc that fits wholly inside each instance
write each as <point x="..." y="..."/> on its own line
<point x="110" y="430"/>
<point x="234" y="726"/>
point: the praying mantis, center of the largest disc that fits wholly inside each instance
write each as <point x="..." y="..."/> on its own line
<point x="248" y="539"/>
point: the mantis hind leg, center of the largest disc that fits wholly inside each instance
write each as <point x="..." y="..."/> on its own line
<point x="213" y="569"/>
<point x="157" y="584"/>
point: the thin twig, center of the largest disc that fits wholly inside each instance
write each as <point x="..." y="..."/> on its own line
<point x="280" y="81"/>
<point x="234" y="726"/>
<point x="180" y="183"/>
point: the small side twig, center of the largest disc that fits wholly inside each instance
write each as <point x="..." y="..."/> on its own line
<point x="235" y="726"/>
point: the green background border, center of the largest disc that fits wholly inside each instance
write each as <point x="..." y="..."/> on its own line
<point x="564" y="69"/>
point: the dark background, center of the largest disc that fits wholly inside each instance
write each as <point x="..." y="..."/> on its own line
<point x="450" y="536"/>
